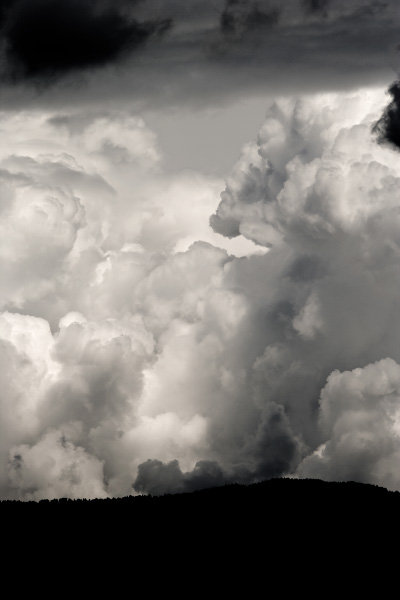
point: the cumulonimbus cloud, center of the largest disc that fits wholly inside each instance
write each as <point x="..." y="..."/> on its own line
<point x="139" y="353"/>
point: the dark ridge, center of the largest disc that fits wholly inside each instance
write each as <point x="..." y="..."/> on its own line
<point x="235" y="538"/>
<point x="281" y="493"/>
<point x="307" y="509"/>
<point x="272" y="488"/>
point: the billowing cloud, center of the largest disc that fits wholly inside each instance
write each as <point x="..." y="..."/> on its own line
<point x="360" y="417"/>
<point x="319" y="191"/>
<point x="55" y="468"/>
<point x="145" y="352"/>
<point x="99" y="263"/>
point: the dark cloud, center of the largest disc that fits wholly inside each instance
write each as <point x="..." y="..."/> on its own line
<point x="217" y="50"/>
<point x="48" y="39"/>
<point x="16" y="462"/>
<point x="271" y="452"/>
<point x="388" y="126"/>
<point x="157" y="478"/>
<point x="5" y="6"/>
<point x="124" y="343"/>
<point x="240" y="16"/>
<point x="276" y="450"/>
<point x="306" y="268"/>
<point x="316" y="6"/>
<point x="374" y="9"/>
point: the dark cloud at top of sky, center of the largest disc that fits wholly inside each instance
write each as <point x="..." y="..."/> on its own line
<point x="316" y="5"/>
<point x="388" y="126"/>
<point x="47" y="39"/>
<point x="240" y="16"/>
<point x="211" y="51"/>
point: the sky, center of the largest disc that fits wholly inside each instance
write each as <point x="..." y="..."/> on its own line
<point x="199" y="257"/>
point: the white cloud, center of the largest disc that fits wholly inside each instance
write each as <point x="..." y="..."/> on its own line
<point x="55" y="468"/>
<point x="359" y="415"/>
<point x="309" y="321"/>
<point x="129" y="332"/>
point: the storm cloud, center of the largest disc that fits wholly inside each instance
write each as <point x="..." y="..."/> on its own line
<point x="316" y="5"/>
<point x="197" y="53"/>
<point x="387" y="127"/>
<point x="145" y="352"/>
<point x="240" y="16"/>
<point x="46" y="40"/>
<point x="156" y="478"/>
<point x="167" y="328"/>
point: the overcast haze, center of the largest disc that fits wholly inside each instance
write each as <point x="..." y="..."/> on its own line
<point x="199" y="244"/>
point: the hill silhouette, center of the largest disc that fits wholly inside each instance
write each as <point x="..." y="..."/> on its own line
<point x="290" y="500"/>
<point x="230" y="539"/>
